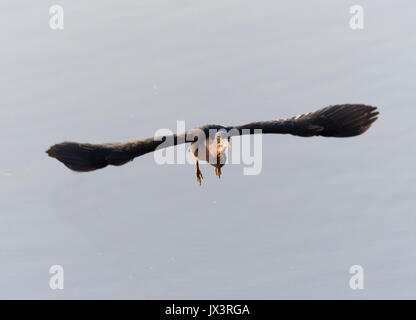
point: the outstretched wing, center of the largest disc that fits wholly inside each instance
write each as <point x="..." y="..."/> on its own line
<point x="345" y="120"/>
<point x="85" y="157"/>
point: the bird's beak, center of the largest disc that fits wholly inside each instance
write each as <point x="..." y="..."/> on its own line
<point x="225" y="143"/>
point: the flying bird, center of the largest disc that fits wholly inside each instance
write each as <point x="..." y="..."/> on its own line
<point x="346" y="120"/>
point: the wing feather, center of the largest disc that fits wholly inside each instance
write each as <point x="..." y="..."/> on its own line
<point x="346" y="120"/>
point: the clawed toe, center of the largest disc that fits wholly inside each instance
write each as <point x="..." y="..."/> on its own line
<point x="218" y="172"/>
<point x="199" y="175"/>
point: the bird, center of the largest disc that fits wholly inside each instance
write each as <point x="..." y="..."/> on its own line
<point x="211" y="151"/>
<point x="340" y="121"/>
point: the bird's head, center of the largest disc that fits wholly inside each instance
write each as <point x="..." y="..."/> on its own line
<point x="222" y="141"/>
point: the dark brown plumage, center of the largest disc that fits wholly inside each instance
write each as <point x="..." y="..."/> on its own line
<point x="345" y="120"/>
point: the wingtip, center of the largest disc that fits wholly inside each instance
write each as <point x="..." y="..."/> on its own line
<point x="51" y="152"/>
<point x="346" y="120"/>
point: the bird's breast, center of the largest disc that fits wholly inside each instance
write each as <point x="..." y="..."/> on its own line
<point x="204" y="151"/>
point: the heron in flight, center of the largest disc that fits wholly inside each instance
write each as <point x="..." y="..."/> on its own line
<point x="346" y="120"/>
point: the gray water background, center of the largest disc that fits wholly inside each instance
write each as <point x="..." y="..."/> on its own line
<point x="120" y="70"/>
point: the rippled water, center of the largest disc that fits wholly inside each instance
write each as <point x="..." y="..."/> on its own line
<point x="122" y="71"/>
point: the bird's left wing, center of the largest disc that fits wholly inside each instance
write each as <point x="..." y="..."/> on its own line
<point x="345" y="120"/>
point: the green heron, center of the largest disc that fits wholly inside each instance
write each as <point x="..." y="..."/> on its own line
<point x="346" y="120"/>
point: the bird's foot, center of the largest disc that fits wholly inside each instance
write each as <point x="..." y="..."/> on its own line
<point x="199" y="176"/>
<point x="218" y="172"/>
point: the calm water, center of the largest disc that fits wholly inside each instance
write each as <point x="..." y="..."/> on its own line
<point x="120" y="72"/>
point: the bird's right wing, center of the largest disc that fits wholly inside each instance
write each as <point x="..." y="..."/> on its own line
<point x="87" y="157"/>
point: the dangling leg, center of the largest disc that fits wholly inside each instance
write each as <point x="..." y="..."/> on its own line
<point x="218" y="171"/>
<point x="199" y="175"/>
<point x="218" y="166"/>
